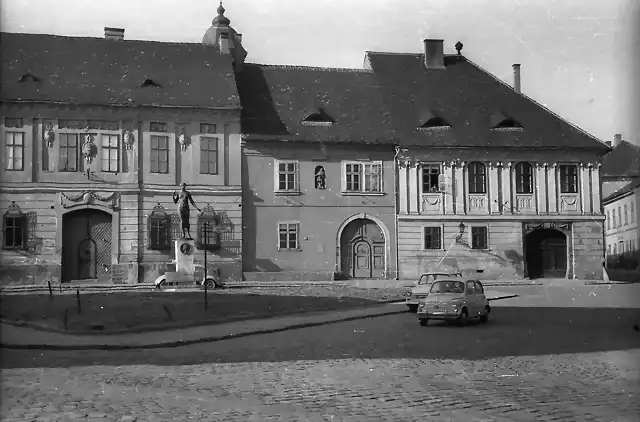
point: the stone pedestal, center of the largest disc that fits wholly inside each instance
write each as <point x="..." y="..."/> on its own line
<point x="185" y="254"/>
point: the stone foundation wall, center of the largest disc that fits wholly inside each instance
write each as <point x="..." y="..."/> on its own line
<point x="588" y="253"/>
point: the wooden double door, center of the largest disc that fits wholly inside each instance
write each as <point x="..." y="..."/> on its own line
<point x="363" y="250"/>
<point x="86" y="245"/>
<point x="546" y="254"/>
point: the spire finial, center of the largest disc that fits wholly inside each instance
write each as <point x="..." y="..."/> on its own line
<point x="220" y="9"/>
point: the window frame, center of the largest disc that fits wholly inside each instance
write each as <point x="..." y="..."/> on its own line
<point x="296" y="224"/>
<point x="159" y="215"/>
<point x="473" y="178"/>
<point x="487" y="241"/>
<point x="521" y="178"/>
<point x="619" y="216"/>
<point x="211" y="238"/>
<point x="440" y="228"/>
<point x="608" y="219"/>
<point x="158" y="136"/>
<point x="566" y="188"/>
<point x="80" y="128"/>
<point x="362" y="165"/>
<point x="431" y="165"/>
<point x="15" y="214"/>
<point x="625" y="208"/>
<point x="632" y="210"/>
<point x="207" y="139"/>
<point x="109" y="149"/>
<point x="14" y="147"/>
<point x="66" y="148"/>
<point x="295" y="190"/>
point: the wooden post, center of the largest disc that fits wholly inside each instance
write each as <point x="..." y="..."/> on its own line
<point x="78" y="300"/>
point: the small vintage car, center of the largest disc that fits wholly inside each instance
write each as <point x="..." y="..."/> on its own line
<point x="420" y="289"/>
<point x="454" y="300"/>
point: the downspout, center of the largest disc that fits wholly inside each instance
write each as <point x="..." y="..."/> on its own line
<point x="395" y="208"/>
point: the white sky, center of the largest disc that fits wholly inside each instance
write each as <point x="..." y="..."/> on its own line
<point x="574" y="53"/>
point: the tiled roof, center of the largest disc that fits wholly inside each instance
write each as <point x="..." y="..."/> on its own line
<point x="471" y="101"/>
<point x="339" y="105"/>
<point x="623" y="160"/>
<point x="629" y="187"/>
<point x="79" y="70"/>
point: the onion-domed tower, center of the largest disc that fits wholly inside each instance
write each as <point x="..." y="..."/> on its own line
<point x="225" y="38"/>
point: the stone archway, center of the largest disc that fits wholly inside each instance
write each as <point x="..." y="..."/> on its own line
<point x="87" y="237"/>
<point x="362" y="248"/>
<point x="546" y="253"/>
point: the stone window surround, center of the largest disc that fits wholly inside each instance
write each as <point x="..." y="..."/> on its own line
<point x="297" y="233"/>
<point x="362" y="163"/>
<point x="442" y="238"/>
<point x="276" y="178"/>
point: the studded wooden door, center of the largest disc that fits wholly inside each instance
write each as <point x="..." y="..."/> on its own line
<point x="362" y="250"/>
<point x="362" y="259"/>
<point x="86" y="246"/>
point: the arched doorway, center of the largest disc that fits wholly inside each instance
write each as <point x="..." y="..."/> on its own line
<point x="546" y="254"/>
<point x="86" y="245"/>
<point x="362" y="250"/>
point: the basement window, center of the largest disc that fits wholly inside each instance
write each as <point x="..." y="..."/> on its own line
<point x="150" y="83"/>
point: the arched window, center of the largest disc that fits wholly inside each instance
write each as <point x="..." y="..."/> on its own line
<point x="208" y="233"/>
<point x="524" y="178"/>
<point x="477" y="178"/>
<point x="159" y="229"/>
<point x="14" y="227"/>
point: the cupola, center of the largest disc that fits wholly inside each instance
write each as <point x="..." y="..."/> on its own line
<point x="225" y="39"/>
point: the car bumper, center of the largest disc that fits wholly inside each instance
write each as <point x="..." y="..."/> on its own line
<point x="412" y="301"/>
<point x="439" y="314"/>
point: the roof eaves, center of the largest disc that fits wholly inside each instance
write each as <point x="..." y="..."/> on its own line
<point x="537" y="103"/>
<point x="20" y="101"/>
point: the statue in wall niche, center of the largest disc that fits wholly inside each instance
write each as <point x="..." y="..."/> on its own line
<point x="320" y="178"/>
<point x="183" y="209"/>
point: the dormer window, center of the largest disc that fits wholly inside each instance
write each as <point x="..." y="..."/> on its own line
<point x="319" y="118"/>
<point x="29" y="77"/>
<point x="508" y="124"/>
<point x="435" y="123"/>
<point x="150" y="83"/>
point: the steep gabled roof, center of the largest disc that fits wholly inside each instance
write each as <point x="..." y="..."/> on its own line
<point x="622" y="161"/>
<point x="629" y="187"/>
<point x="96" y="71"/>
<point x="472" y="101"/>
<point x="312" y="104"/>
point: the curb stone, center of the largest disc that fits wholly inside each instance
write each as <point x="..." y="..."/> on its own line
<point x="191" y="342"/>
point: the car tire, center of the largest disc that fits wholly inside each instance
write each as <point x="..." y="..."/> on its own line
<point x="423" y="322"/>
<point x="413" y="308"/>
<point x="463" y="319"/>
<point x="485" y="317"/>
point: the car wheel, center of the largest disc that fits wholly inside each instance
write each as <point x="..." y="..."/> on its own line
<point x="413" y="308"/>
<point x="485" y="317"/>
<point x="423" y="322"/>
<point x="464" y="317"/>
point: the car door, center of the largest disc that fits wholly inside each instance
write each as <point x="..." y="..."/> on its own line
<point x="482" y="298"/>
<point x="472" y="299"/>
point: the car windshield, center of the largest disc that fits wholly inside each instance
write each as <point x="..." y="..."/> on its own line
<point x="447" y="287"/>
<point x="429" y="278"/>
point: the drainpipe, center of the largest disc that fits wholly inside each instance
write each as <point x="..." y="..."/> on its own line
<point x="395" y="208"/>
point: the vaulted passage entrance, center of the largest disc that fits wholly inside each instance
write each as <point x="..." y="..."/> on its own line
<point x="546" y="254"/>
<point x="362" y="247"/>
<point x="86" y="245"/>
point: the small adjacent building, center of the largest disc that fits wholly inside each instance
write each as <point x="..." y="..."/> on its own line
<point x="318" y="174"/>
<point x="98" y="133"/>
<point x="489" y="181"/>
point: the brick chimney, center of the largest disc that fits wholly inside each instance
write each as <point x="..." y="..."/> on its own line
<point x="617" y="138"/>
<point x="516" y="78"/>
<point x="434" y="54"/>
<point x="225" y="44"/>
<point x="113" y="33"/>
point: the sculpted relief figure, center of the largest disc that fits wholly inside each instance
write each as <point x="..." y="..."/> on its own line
<point x="184" y="198"/>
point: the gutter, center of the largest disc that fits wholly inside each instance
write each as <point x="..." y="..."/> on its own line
<point x="395" y="208"/>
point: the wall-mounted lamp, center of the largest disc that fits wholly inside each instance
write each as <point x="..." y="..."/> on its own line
<point x="461" y="227"/>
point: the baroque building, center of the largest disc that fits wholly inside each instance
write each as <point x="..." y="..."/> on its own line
<point x="99" y="133"/>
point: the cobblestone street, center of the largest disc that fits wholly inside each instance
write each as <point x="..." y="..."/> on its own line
<point x="558" y="364"/>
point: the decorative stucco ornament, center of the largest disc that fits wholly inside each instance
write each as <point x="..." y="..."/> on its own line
<point x="49" y="136"/>
<point x="88" y="149"/>
<point x="129" y="139"/>
<point x="184" y="141"/>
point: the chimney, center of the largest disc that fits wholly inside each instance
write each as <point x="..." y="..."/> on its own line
<point x="224" y="43"/>
<point x="617" y="138"/>
<point x="239" y="38"/>
<point x="113" y="33"/>
<point x="516" y="78"/>
<point x="434" y="54"/>
<point x="608" y="143"/>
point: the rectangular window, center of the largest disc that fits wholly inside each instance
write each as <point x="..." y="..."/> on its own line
<point x="479" y="237"/>
<point x="207" y="128"/>
<point x="14" y="157"/>
<point x="363" y="177"/>
<point x="288" y="236"/>
<point x="110" y="144"/>
<point x="632" y="211"/>
<point x="159" y="233"/>
<point x="208" y="155"/>
<point x="159" y="160"/>
<point x="68" y="152"/>
<point x="433" y="238"/>
<point x="619" y="217"/>
<point x="14" y="231"/>
<point x="626" y="215"/>
<point x="287" y="176"/>
<point x="430" y="177"/>
<point x="568" y="178"/>
<point x="613" y="219"/>
<point x="608" y="220"/>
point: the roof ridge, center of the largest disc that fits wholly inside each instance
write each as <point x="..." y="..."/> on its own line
<point x="85" y="37"/>
<point x="548" y="110"/>
<point x="393" y="53"/>
<point x="320" y="68"/>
